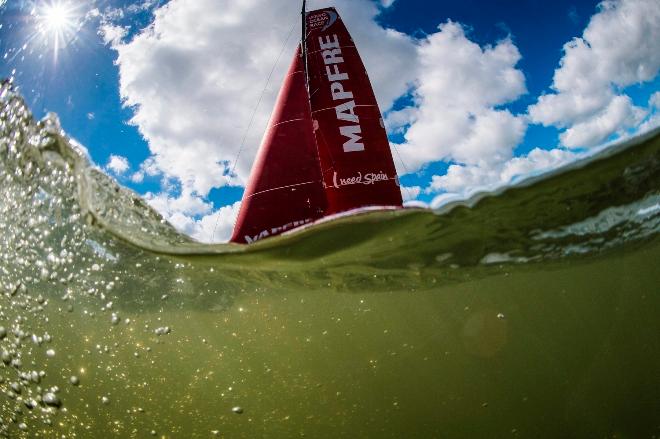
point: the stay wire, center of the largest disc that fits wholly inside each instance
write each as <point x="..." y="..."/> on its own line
<point x="254" y="112"/>
<point x="405" y="168"/>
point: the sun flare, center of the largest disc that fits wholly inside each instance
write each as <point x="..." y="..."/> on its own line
<point x="57" y="24"/>
<point x="56" y="17"/>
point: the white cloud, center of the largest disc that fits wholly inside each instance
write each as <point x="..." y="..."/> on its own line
<point x="186" y="203"/>
<point x="137" y="177"/>
<point x="619" y="47"/>
<point x="150" y="167"/>
<point x="654" y="109"/>
<point x="619" y="115"/>
<point x="458" y="86"/>
<point x="217" y="226"/>
<point x="139" y="7"/>
<point x="654" y="100"/>
<point x="462" y="180"/>
<point x="117" y="164"/>
<point x="111" y="34"/>
<point x="652" y="123"/>
<point x="409" y="193"/>
<point x="535" y="162"/>
<point x="92" y="13"/>
<point x="183" y="213"/>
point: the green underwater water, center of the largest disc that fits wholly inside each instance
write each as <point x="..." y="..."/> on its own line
<point x="530" y="312"/>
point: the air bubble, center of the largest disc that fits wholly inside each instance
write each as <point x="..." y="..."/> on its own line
<point x="162" y="331"/>
<point x="51" y="399"/>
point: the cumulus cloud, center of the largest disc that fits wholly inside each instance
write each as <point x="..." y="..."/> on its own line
<point x="111" y="34"/>
<point x="619" y="47"/>
<point x="462" y="180"/>
<point x="653" y="121"/>
<point x="619" y="114"/>
<point x="458" y="87"/>
<point x="117" y="164"/>
<point x="137" y="177"/>
<point x="654" y="100"/>
<point x="410" y="193"/>
<point x="193" y="216"/>
<point x="217" y="226"/>
<point x="186" y="203"/>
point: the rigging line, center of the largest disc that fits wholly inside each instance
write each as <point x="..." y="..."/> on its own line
<point x="405" y="168"/>
<point x="254" y="112"/>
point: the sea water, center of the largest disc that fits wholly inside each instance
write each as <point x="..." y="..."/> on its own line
<point x="530" y="312"/>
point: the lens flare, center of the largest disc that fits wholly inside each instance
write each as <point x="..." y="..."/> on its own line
<point x="56" y="17"/>
<point x="57" y="24"/>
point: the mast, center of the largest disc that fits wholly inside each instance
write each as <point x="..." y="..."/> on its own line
<point x="303" y="42"/>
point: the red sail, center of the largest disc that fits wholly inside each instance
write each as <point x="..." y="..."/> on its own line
<point x="354" y="152"/>
<point x="285" y="188"/>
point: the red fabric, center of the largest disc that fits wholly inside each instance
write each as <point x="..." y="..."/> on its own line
<point x="284" y="190"/>
<point x="355" y="174"/>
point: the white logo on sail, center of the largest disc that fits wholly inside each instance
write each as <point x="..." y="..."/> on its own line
<point x="332" y="57"/>
<point x="276" y="230"/>
<point x="325" y="19"/>
<point x="369" y="178"/>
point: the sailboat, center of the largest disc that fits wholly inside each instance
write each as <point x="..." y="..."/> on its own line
<point x="325" y="150"/>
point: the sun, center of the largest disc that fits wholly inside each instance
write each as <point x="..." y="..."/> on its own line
<point x="55" y="17"/>
<point x="57" y="23"/>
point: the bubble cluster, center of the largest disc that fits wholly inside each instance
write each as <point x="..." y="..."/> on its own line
<point x="54" y="261"/>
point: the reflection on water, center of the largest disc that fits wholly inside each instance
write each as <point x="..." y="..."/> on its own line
<point x="532" y="313"/>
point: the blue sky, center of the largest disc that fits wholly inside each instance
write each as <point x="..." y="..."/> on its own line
<point x="475" y="93"/>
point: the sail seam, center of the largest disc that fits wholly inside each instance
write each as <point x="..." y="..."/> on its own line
<point x="284" y="121"/>
<point x="333" y="108"/>
<point x="341" y="47"/>
<point x="281" y="187"/>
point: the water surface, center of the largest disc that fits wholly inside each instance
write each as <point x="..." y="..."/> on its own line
<point x="530" y="312"/>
